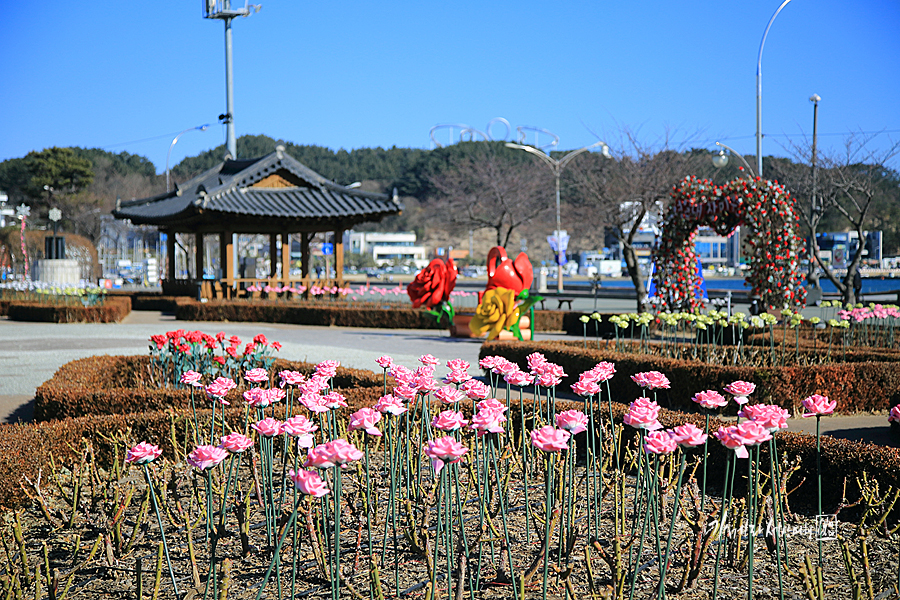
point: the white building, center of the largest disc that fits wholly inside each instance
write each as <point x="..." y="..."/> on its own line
<point x="386" y="248"/>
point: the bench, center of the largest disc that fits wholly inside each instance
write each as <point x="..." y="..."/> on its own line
<point x="567" y="300"/>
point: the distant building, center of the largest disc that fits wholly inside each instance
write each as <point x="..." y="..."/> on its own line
<point x="838" y="248"/>
<point x="388" y="248"/>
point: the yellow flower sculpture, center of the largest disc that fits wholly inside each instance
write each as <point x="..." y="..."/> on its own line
<point x="497" y="311"/>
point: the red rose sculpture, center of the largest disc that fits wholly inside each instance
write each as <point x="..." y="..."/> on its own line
<point x="433" y="284"/>
<point x="503" y="272"/>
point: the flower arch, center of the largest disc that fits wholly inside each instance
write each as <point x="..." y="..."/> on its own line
<point x="766" y="207"/>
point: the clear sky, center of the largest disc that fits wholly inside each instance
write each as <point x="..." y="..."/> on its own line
<point x="128" y="76"/>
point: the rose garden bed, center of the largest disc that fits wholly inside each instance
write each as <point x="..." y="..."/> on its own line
<point x="84" y="522"/>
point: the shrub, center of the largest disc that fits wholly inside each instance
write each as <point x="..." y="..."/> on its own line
<point x="112" y="310"/>
<point x="858" y="386"/>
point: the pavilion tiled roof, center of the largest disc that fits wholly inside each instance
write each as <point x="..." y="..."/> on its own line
<point x="232" y="190"/>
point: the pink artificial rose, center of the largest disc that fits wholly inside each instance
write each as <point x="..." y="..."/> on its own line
<point x="770" y="416"/>
<point x="343" y="452"/>
<point x="275" y="395"/>
<point x="548" y="380"/>
<point x="405" y="391"/>
<point x="643" y="414"/>
<point x="235" y="442"/>
<point x="314" y="402"/>
<point x="457" y="376"/>
<point x="426" y="384"/>
<point x="428" y="359"/>
<point x="504" y="367"/>
<point x="314" y="385"/>
<point x="488" y="421"/>
<point x="475" y="390"/>
<point x="365" y="419"/>
<point x="518" y="378"/>
<point x="391" y="405"/>
<point x="335" y="400"/>
<point x="256" y="397"/>
<point x="817" y="405"/>
<point x="385" y="362"/>
<point x="653" y="380"/>
<point x="659" y="442"/>
<point x="206" y="457"/>
<point x="309" y="483"/>
<point x="895" y="414"/>
<point x="710" y="399"/>
<point x="402" y="375"/>
<point x="267" y="427"/>
<point x="489" y="362"/>
<point x="444" y="450"/>
<point x="688" y="435"/>
<point x="573" y="421"/>
<point x="327" y="368"/>
<point x="191" y="378"/>
<point x="143" y="453"/>
<point x="218" y="389"/>
<point x="259" y="375"/>
<point x="449" y="395"/>
<point x="291" y="378"/>
<point x="535" y="361"/>
<point x="604" y="371"/>
<point x="550" y="439"/>
<point x="457" y="364"/>
<point x="752" y="433"/>
<point x="449" y="420"/>
<point x="740" y="390"/>
<point x="586" y="388"/>
<point x="301" y="428"/>
<point x="727" y="435"/>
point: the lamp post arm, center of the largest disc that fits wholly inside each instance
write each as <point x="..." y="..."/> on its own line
<point x="568" y="157"/>
<point x="762" y="43"/>
<point x="175" y="141"/>
<point x="736" y="153"/>
<point x="551" y="162"/>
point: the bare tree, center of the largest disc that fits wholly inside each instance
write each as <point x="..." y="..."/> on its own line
<point x="493" y="188"/>
<point x="621" y="193"/>
<point x="848" y="183"/>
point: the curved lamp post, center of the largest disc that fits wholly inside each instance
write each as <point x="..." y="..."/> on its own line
<point x="557" y="166"/>
<point x="175" y="141"/>
<point x="759" y="91"/>
<point x="721" y="159"/>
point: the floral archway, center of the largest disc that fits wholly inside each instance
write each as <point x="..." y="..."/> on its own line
<point x="765" y="207"/>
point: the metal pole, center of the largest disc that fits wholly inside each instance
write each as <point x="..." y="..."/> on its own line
<point x="811" y="277"/>
<point x="231" y="142"/>
<point x="559" y="274"/>
<point x="762" y="43"/>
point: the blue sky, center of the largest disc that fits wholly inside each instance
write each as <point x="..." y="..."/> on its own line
<point x="128" y="76"/>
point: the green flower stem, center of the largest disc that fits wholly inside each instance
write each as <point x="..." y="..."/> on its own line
<point x="705" y="457"/>
<point x="336" y="580"/>
<point x="162" y="532"/>
<point x="493" y="454"/>
<point x="675" y="509"/>
<point x="819" y="476"/>
<point x="274" y="560"/>
<point x="723" y="516"/>
<point x="778" y="512"/>
<point x="751" y="525"/>
<point x="548" y="501"/>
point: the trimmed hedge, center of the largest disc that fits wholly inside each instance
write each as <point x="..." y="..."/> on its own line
<point x="338" y="314"/>
<point x="112" y="310"/>
<point x="857" y="386"/>
<point x="109" y="385"/>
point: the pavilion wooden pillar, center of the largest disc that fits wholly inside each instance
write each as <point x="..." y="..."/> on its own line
<point x="198" y="255"/>
<point x="273" y="255"/>
<point x="226" y="257"/>
<point x="170" y="255"/>
<point x="304" y="254"/>
<point x="339" y="256"/>
<point x="285" y="258"/>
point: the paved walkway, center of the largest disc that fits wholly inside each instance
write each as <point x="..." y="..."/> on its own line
<point x="30" y="353"/>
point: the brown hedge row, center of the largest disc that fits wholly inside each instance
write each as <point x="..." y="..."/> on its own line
<point x="112" y="310"/>
<point x="25" y="449"/>
<point x="109" y="385"/>
<point x="338" y="314"/>
<point x="857" y="386"/>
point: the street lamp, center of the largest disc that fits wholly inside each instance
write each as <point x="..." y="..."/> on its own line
<point x="759" y="91"/>
<point x="175" y="141"/>
<point x="720" y="160"/>
<point x="812" y="276"/>
<point x="557" y="166"/>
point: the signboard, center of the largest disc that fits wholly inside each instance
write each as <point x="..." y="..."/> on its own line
<point x="559" y="243"/>
<point x="327" y="248"/>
